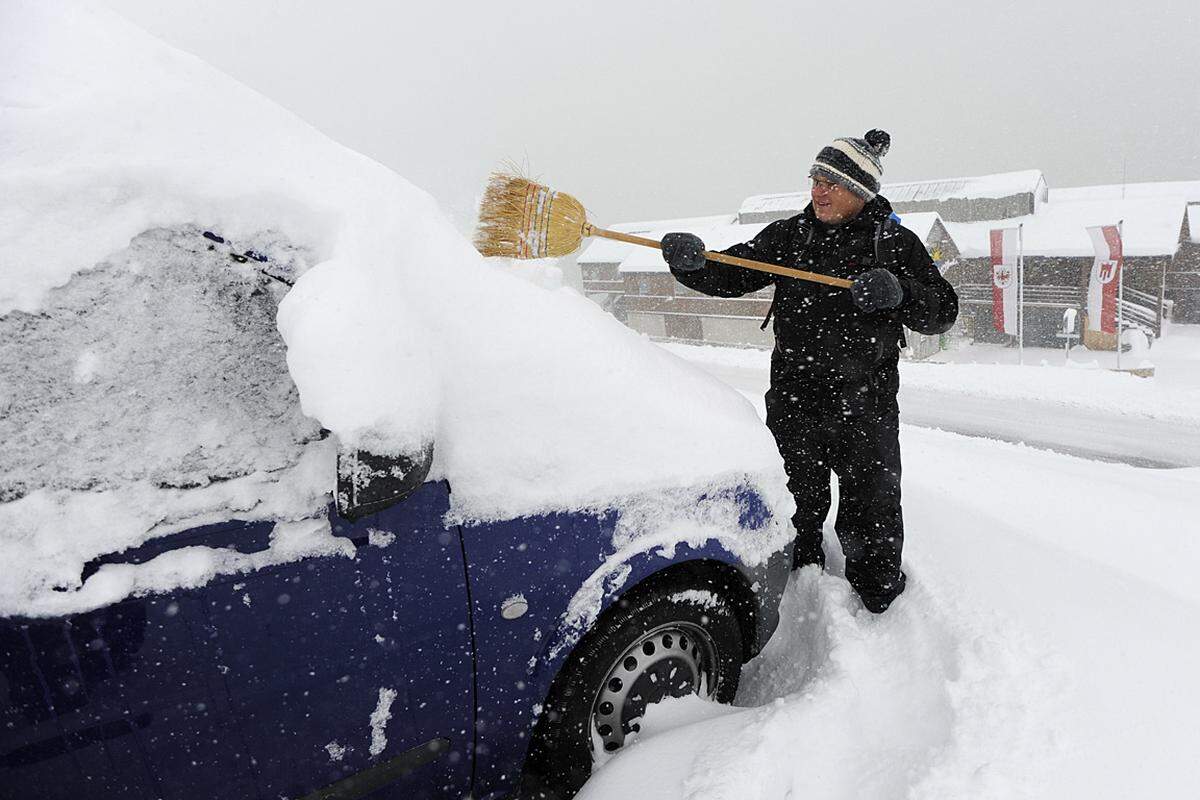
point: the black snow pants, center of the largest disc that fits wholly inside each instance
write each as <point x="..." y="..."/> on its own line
<point x="864" y="451"/>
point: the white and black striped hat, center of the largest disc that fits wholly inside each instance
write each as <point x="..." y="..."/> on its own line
<point x="854" y="163"/>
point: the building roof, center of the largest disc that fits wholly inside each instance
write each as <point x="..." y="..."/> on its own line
<point x="1193" y="216"/>
<point x="1002" y="184"/>
<point x="921" y="223"/>
<point x="608" y="251"/>
<point x="792" y="202"/>
<point x="1189" y="190"/>
<point x="1151" y="227"/>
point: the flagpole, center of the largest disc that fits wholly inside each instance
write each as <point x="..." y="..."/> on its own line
<point x="1021" y="294"/>
<point x="1120" y="289"/>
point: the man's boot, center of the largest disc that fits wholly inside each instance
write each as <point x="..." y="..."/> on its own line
<point x="808" y="551"/>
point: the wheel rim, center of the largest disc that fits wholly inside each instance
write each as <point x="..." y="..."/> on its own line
<point x="672" y="660"/>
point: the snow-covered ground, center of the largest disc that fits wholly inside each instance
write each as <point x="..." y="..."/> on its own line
<point x="1081" y="408"/>
<point x="1046" y="648"/>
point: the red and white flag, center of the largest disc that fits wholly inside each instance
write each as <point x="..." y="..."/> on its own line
<point x="1106" y="278"/>
<point x="1005" y="279"/>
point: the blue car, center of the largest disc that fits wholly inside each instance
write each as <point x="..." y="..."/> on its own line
<point x="491" y="660"/>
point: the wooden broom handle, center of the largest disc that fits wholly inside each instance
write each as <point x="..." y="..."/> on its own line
<point x="761" y="266"/>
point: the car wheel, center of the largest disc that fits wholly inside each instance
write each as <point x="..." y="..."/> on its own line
<point x="669" y="642"/>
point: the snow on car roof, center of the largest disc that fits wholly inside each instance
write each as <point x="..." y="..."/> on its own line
<point x="1152" y="227"/>
<point x="398" y="334"/>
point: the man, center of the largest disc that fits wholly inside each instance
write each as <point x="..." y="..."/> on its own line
<point x="834" y="377"/>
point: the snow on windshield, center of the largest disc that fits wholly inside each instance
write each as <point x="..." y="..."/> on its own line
<point x="397" y="332"/>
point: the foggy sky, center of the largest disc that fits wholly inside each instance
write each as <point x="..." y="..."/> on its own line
<point x="647" y="110"/>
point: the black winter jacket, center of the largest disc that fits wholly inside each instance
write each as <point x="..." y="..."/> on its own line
<point x="830" y="356"/>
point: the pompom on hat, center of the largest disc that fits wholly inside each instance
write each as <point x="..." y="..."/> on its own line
<point x="854" y="163"/>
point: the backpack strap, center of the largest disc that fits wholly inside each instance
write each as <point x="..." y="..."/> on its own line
<point x="771" y="310"/>
<point x="886" y="226"/>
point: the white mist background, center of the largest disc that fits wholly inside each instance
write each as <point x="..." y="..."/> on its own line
<point x="651" y="110"/>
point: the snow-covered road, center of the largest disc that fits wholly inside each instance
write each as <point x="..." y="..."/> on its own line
<point x="1046" y="648"/>
<point x="1048" y="424"/>
<point x="1052" y="426"/>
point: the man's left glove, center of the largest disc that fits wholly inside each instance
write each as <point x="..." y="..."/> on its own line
<point x="876" y="290"/>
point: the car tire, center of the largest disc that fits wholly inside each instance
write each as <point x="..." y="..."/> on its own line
<point x="671" y="641"/>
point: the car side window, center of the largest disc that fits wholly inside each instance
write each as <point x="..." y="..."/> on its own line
<point x="367" y="482"/>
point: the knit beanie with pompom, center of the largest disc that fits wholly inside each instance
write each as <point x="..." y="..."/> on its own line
<point x="854" y="163"/>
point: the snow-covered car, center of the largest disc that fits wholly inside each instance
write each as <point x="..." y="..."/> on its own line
<point x="303" y="498"/>
<point x="431" y="660"/>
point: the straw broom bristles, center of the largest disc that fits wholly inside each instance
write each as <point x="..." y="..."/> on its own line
<point x="519" y="218"/>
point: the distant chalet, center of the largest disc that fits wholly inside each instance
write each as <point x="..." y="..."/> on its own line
<point x="952" y="216"/>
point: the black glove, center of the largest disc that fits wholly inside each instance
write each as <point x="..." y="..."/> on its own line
<point x="683" y="251"/>
<point x="876" y="290"/>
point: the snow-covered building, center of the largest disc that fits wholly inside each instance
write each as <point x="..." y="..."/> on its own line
<point x="1058" y="258"/>
<point x="999" y="196"/>
<point x="1160" y="220"/>
<point x="1181" y="281"/>
<point x="953" y="216"/>
<point x="600" y="262"/>
<point x="637" y="287"/>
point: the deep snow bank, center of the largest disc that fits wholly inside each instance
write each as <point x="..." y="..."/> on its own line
<point x="1043" y="649"/>
<point x="399" y="333"/>
<point x="931" y="700"/>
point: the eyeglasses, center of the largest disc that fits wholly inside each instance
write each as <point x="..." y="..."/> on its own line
<point x="824" y="184"/>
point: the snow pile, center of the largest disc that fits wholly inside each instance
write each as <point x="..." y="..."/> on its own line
<point x="842" y="704"/>
<point x="397" y="335"/>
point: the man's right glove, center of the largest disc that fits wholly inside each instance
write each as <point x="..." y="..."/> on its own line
<point x="683" y="251"/>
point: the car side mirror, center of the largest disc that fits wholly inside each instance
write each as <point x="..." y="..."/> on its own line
<point x="367" y="483"/>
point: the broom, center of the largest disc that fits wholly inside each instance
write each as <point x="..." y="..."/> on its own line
<point x="522" y="219"/>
